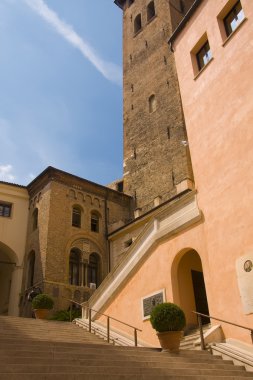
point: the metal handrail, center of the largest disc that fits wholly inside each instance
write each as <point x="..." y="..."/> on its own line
<point x="108" y="324"/>
<point x="202" y="339"/>
<point x="108" y="320"/>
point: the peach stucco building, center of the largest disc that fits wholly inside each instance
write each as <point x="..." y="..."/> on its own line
<point x="207" y="230"/>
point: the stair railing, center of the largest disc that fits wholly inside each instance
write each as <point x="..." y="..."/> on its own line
<point x="90" y="310"/>
<point x="109" y="318"/>
<point x="202" y="339"/>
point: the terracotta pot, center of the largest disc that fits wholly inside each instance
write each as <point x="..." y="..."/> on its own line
<point x="41" y="313"/>
<point x="170" y="340"/>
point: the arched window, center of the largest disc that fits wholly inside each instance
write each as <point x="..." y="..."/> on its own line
<point x="76" y="216"/>
<point x="35" y="219"/>
<point x="94" y="222"/>
<point x="150" y="10"/>
<point x="75" y="267"/>
<point x="137" y="23"/>
<point x="30" y="270"/>
<point x="93" y="269"/>
<point x="152" y="103"/>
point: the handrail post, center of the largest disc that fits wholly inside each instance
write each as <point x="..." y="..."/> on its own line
<point x="89" y="320"/>
<point x="201" y="333"/>
<point x="70" y="313"/>
<point x="108" y="329"/>
<point x="135" y="338"/>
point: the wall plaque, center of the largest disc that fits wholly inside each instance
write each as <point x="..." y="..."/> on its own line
<point x="150" y="301"/>
<point x="244" y="266"/>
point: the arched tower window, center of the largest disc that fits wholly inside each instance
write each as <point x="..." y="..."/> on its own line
<point x="137" y="23"/>
<point x="94" y="222"/>
<point x="30" y="270"/>
<point x="35" y="219"/>
<point x="76" y="216"/>
<point x="150" y="10"/>
<point x="152" y="103"/>
<point x="94" y="269"/>
<point x="75" y="266"/>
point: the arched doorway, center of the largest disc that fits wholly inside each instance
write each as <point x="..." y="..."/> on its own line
<point x="7" y="266"/>
<point x="189" y="286"/>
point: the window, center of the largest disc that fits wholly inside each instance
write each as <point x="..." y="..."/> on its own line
<point x="150" y="10"/>
<point x="120" y="186"/>
<point x="76" y="216"/>
<point x="5" y="209"/>
<point x="93" y="269"/>
<point x="35" y="219"/>
<point x="128" y="243"/>
<point x="75" y="267"/>
<point x="203" y="55"/>
<point x="152" y="103"/>
<point x="30" y="272"/>
<point x="94" y="222"/>
<point x="137" y="23"/>
<point x="233" y="18"/>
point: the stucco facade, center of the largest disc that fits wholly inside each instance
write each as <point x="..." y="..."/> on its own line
<point x="14" y="201"/>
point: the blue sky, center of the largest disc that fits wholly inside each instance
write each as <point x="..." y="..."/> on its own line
<point x="61" y="88"/>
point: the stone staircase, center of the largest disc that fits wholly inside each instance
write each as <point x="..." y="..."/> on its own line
<point x="44" y="350"/>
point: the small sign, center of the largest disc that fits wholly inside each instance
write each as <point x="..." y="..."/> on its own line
<point x="150" y="301"/>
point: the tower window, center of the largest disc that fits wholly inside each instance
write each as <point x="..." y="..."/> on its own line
<point x="35" y="219"/>
<point x="94" y="222"/>
<point x="137" y="23"/>
<point x="233" y="18"/>
<point x="204" y="55"/>
<point x="150" y="10"/>
<point x="76" y="216"/>
<point x="152" y="103"/>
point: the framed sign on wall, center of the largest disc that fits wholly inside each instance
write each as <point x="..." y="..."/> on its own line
<point x="150" y="301"/>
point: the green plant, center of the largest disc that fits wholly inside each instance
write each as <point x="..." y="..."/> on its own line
<point x="167" y="317"/>
<point x="42" y="301"/>
<point x="64" y="315"/>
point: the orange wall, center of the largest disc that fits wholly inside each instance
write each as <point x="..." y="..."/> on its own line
<point x="218" y="109"/>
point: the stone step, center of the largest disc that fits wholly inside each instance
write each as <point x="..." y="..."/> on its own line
<point x="24" y="368"/>
<point x="118" y="362"/>
<point x="87" y="376"/>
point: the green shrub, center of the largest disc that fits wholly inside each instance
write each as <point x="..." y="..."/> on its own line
<point x="42" y="301"/>
<point x="167" y="317"/>
<point x="64" y="315"/>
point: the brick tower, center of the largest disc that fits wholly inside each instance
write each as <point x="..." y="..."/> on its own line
<point x="157" y="163"/>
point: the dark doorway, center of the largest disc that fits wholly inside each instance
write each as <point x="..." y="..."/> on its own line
<point x="200" y="295"/>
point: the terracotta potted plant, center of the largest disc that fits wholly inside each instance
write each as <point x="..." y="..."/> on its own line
<point x="168" y="320"/>
<point x="41" y="305"/>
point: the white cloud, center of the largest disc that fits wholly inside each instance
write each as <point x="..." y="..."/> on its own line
<point x="6" y="173"/>
<point x="109" y="70"/>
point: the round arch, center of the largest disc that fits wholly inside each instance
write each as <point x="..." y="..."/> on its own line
<point x="8" y="262"/>
<point x="188" y="285"/>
